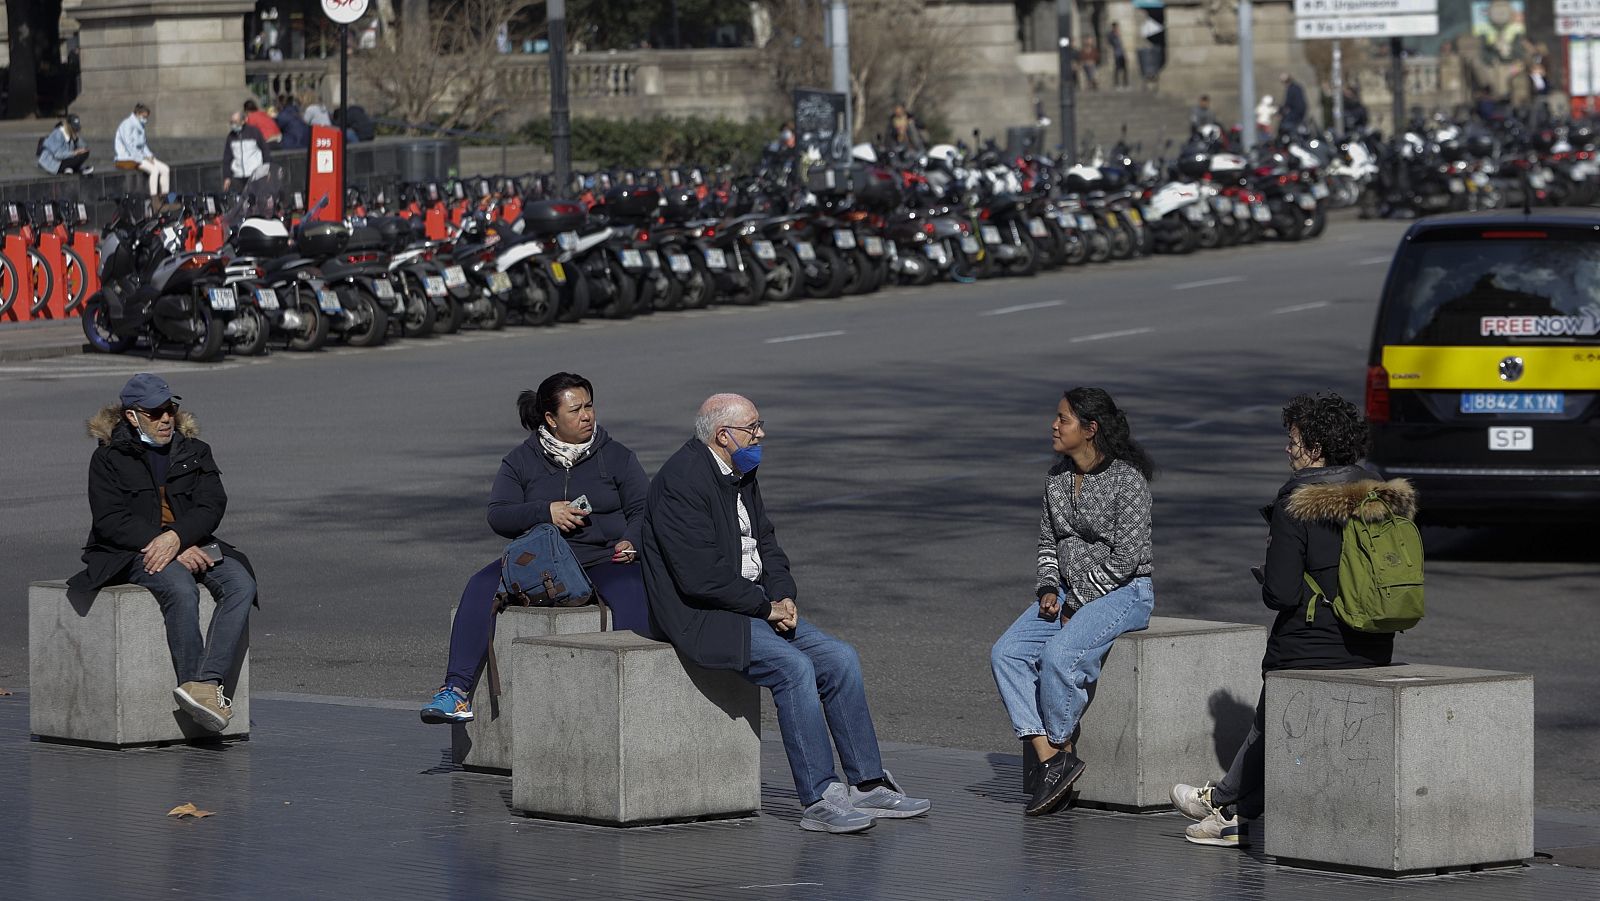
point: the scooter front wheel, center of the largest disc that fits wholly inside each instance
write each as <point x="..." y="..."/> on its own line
<point x="97" y="326"/>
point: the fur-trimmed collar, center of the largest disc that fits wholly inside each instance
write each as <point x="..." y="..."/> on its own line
<point x="1339" y="502"/>
<point x="103" y="425"/>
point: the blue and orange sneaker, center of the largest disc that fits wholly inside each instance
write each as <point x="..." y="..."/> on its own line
<point x="448" y="706"/>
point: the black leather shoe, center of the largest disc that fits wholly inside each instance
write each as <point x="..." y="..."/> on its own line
<point x="1055" y="778"/>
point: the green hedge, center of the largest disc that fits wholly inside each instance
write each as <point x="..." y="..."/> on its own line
<point x="662" y="141"/>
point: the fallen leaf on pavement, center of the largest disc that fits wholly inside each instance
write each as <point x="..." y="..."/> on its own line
<point x="188" y="810"/>
<point x="4" y="693"/>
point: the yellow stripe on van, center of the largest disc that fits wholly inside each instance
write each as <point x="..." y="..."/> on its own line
<point x="1570" y="368"/>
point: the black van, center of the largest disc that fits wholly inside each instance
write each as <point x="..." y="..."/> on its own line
<point x="1483" y="385"/>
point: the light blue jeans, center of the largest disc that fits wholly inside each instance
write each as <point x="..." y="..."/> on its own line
<point x="1044" y="668"/>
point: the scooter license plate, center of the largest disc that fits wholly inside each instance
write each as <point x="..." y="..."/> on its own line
<point x="873" y="245"/>
<point x="806" y="251"/>
<point x="764" y="250"/>
<point x="499" y="282"/>
<point x="1319" y="191"/>
<point x="1262" y="214"/>
<point x="1241" y="210"/>
<point x="679" y="263"/>
<point x="991" y="235"/>
<point x="567" y="240"/>
<point x="716" y="259"/>
<point x="267" y="298"/>
<point x="1306" y="202"/>
<point x="558" y="272"/>
<point x="454" y="277"/>
<point x="632" y="259"/>
<point x="434" y="286"/>
<point x="844" y="239"/>
<point x="935" y="252"/>
<point x="383" y="289"/>
<point x="969" y="244"/>
<point x="222" y="299"/>
<point x="1194" y="212"/>
<point x="1086" y="222"/>
<point x="329" y="301"/>
<point x="1038" y="229"/>
<point x="1457" y="186"/>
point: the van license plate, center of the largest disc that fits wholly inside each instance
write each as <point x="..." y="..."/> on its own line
<point x="1511" y="438"/>
<point x="1513" y="402"/>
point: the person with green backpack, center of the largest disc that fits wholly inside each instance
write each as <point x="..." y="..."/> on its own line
<point x="1344" y="574"/>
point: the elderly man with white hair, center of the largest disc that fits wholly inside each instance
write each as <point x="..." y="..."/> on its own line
<point x="721" y="592"/>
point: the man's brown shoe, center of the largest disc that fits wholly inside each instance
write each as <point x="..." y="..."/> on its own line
<point x="204" y="703"/>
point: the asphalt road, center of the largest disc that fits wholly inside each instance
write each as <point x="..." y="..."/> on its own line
<point x="908" y="435"/>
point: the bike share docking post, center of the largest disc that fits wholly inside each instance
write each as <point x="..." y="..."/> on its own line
<point x="560" y="113"/>
<point x="1069" y="88"/>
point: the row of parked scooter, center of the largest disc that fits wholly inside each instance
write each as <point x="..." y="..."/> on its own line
<point x="213" y="275"/>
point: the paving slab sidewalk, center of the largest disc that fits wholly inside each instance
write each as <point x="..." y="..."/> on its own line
<point x="21" y="341"/>
<point x="336" y="798"/>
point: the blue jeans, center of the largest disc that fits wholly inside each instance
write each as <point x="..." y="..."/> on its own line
<point x="1044" y="668"/>
<point x="816" y="685"/>
<point x="197" y="659"/>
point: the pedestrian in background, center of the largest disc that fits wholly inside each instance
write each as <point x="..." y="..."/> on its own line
<point x="1093" y="584"/>
<point x="1202" y="115"/>
<point x="61" y="152"/>
<point x="245" y="158"/>
<point x="262" y="121"/>
<point x="566" y="457"/>
<point x="1119" y="57"/>
<point x="131" y="147"/>
<point x="1326" y="436"/>
<point x="1089" y="62"/>
<point x="1293" y="114"/>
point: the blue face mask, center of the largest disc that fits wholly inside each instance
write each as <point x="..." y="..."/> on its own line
<point x="747" y="458"/>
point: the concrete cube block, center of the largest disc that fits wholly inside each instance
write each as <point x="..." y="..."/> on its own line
<point x="1399" y="770"/>
<point x="1173" y="704"/>
<point x="621" y="731"/>
<point x="99" y="672"/>
<point x="485" y="743"/>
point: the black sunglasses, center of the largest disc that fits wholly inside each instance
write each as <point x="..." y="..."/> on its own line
<point x="169" y="408"/>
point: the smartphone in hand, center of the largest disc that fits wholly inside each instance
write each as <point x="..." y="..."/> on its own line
<point x="582" y="503"/>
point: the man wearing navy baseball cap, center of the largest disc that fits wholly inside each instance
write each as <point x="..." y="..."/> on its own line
<point x="156" y="496"/>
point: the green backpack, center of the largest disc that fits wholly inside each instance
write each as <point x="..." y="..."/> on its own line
<point x="1380" y="574"/>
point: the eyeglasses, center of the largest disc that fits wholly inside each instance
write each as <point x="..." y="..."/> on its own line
<point x="166" y="409"/>
<point x="753" y="428"/>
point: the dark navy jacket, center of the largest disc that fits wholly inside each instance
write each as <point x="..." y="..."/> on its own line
<point x="698" y="598"/>
<point x="609" y="475"/>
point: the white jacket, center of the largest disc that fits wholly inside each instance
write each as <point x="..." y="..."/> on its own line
<point x="130" y="143"/>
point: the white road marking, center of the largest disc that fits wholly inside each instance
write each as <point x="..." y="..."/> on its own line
<point x="1104" y="335"/>
<point x="1206" y="283"/>
<point x="1197" y="423"/>
<point x="1301" y="307"/>
<point x="1022" y="307"/>
<point x="787" y="338"/>
<point x="1373" y="261"/>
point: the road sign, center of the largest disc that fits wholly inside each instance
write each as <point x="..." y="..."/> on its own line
<point x="1363" y="8"/>
<point x="1577" y="7"/>
<point x="1588" y="23"/>
<point x="344" y="12"/>
<point x="1366" y="27"/>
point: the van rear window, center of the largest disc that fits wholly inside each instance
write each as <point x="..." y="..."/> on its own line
<point x="1494" y="292"/>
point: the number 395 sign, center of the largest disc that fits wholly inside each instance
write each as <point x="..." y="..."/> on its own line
<point x="344" y="12"/>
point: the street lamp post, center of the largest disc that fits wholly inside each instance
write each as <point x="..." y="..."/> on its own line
<point x="1069" y="88"/>
<point x="560" y="113"/>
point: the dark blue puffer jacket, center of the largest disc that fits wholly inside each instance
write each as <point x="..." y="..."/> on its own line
<point x="609" y="475"/>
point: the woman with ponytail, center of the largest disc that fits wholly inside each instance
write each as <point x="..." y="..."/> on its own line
<point x="1093" y="585"/>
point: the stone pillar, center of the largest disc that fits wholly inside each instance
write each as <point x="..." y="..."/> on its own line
<point x="184" y="58"/>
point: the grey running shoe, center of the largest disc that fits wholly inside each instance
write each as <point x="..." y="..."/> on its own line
<point x="888" y="801"/>
<point x="1194" y="803"/>
<point x="1215" y="830"/>
<point x="834" y="814"/>
<point x="205" y="704"/>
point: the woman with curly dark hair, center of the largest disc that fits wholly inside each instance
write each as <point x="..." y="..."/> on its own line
<point x="1093" y="585"/>
<point x="1327" y="435"/>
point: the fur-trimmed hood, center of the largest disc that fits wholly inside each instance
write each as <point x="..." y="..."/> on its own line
<point x="103" y="425"/>
<point x="1339" y="502"/>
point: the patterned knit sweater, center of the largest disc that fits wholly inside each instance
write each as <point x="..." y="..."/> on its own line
<point x="1097" y="542"/>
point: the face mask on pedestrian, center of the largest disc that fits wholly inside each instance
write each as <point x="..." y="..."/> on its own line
<point x="144" y="120"/>
<point x="747" y="458"/>
<point x="236" y="127"/>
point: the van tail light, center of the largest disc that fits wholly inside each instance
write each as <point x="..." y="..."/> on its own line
<point x="1377" y="394"/>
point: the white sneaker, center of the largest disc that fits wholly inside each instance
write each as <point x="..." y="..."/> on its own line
<point x="1194" y="803"/>
<point x="1215" y="830"/>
